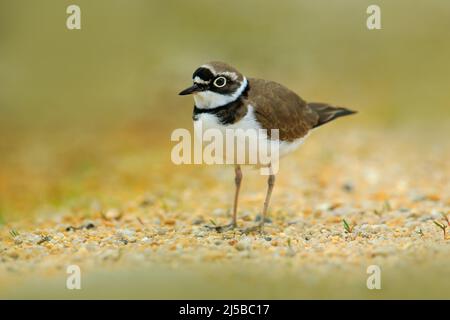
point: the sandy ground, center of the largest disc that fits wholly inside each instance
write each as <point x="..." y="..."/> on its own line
<point x="156" y="245"/>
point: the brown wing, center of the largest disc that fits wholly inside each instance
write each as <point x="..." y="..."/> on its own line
<point x="277" y="107"/>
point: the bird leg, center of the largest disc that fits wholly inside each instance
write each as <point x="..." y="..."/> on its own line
<point x="233" y="223"/>
<point x="270" y="184"/>
<point x="237" y="180"/>
<point x="260" y="226"/>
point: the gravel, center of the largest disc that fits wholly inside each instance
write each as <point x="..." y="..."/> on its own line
<point x="304" y="230"/>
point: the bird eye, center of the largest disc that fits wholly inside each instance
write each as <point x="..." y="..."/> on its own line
<point x="220" y="82"/>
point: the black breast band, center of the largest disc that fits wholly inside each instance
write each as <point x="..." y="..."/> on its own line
<point x="227" y="113"/>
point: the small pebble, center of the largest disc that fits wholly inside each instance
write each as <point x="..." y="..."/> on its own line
<point x="198" y="220"/>
<point x="244" y="244"/>
<point x="113" y="214"/>
<point x="348" y="187"/>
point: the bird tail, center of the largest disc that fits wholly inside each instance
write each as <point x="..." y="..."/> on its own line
<point x="328" y="113"/>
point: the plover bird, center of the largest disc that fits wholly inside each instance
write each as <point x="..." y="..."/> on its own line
<point x="226" y="99"/>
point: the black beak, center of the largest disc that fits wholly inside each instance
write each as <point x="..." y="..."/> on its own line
<point x="190" y="90"/>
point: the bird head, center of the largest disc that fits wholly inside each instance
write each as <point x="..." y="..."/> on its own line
<point x="215" y="84"/>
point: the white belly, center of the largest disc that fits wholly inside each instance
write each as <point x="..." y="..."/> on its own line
<point x="206" y="121"/>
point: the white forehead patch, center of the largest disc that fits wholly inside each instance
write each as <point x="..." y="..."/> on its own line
<point x="232" y="75"/>
<point x="199" y="80"/>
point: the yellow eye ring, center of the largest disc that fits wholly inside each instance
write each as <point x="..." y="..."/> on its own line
<point x="218" y="82"/>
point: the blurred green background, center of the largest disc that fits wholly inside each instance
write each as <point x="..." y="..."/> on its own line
<point x="70" y="100"/>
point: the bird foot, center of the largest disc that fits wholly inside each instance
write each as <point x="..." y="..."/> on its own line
<point x="222" y="228"/>
<point x="259" y="227"/>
